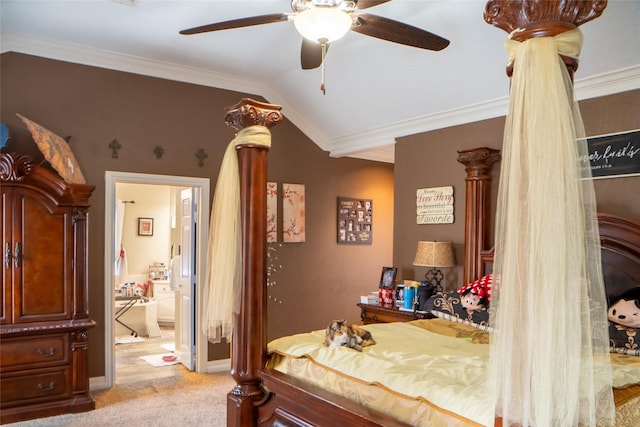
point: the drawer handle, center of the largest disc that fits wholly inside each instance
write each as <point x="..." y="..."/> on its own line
<point x="46" y="388"/>
<point x="375" y="317"/>
<point x="46" y="353"/>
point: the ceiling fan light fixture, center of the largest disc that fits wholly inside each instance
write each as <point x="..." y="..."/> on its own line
<point x="323" y="23"/>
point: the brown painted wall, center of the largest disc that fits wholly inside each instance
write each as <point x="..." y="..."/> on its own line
<point x="429" y="160"/>
<point x="319" y="280"/>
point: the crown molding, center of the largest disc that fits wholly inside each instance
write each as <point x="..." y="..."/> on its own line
<point x="617" y="81"/>
<point x="387" y="135"/>
<point x="120" y="62"/>
<point x="383" y="153"/>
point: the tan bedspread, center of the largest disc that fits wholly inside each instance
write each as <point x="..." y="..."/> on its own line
<point x="435" y="370"/>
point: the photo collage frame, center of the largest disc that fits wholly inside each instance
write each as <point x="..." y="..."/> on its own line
<point x="355" y="221"/>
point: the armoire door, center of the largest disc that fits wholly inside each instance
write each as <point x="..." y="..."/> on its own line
<point x="42" y="259"/>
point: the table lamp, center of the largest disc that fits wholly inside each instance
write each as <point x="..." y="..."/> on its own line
<point x="435" y="254"/>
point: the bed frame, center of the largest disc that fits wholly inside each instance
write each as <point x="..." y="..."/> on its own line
<point x="266" y="397"/>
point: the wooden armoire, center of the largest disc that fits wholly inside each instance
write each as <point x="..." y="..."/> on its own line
<point x="44" y="318"/>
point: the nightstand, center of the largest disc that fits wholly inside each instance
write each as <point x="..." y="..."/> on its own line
<point x="377" y="314"/>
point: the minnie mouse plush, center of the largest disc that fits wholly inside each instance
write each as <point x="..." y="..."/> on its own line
<point x="476" y="295"/>
<point x="625" y="310"/>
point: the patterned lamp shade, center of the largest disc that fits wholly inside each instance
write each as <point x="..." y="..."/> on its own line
<point x="435" y="254"/>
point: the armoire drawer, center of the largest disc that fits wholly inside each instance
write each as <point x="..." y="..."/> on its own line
<point x="35" y="386"/>
<point x="34" y="351"/>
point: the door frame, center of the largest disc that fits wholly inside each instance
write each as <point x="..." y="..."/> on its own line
<point x="202" y="217"/>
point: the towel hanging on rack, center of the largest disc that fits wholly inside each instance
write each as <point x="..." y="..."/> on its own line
<point x="122" y="268"/>
<point x="175" y="273"/>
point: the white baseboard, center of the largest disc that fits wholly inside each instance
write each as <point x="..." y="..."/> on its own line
<point x="97" y="383"/>
<point x="222" y="365"/>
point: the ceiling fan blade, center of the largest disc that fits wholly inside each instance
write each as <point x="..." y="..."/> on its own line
<point x="366" y="4"/>
<point x="397" y="32"/>
<point x="311" y="54"/>
<point x="237" y="23"/>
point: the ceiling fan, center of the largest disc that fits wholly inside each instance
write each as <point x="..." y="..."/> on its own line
<point x="324" y="21"/>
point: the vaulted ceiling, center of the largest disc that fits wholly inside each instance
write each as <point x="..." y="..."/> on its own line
<point x="376" y="90"/>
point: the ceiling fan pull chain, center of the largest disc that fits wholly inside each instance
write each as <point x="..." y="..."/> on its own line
<point x="324" y="54"/>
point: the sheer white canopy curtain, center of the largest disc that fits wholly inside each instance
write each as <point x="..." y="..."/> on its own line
<point x="549" y="354"/>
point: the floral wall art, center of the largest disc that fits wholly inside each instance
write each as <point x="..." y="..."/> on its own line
<point x="272" y="212"/>
<point x="293" y="213"/>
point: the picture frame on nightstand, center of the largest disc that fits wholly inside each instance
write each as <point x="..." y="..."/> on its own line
<point x="386" y="288"/>
<point x="388" y="277"/>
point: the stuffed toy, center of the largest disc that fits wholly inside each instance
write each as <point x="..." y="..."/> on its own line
<point x="624" y="323"/>
<point x="625" y="310"/>
<point x="476" y="295"/>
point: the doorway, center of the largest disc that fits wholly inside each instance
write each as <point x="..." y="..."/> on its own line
<point x="188" y="293"/>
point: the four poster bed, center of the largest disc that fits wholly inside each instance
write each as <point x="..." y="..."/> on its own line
<point x="274" y="389"/>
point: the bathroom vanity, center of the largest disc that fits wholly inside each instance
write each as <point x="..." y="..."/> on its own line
<point x="165" y="297"/>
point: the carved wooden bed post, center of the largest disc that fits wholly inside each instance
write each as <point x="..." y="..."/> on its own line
<point x="478" y="164"/>
<point x="541" y="19"/>
<point x="250" y="325"/>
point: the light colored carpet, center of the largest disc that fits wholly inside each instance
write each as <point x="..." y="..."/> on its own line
<point x="186" y="400"/>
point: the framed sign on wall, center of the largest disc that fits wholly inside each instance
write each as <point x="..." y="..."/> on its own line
<point x="434" y="205"/>
<point x="355" y="221"/>
<point x="613" y="156"/>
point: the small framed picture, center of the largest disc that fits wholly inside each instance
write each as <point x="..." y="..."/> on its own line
<point x="145" y="226"/>
<point x="388" y="277"/>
